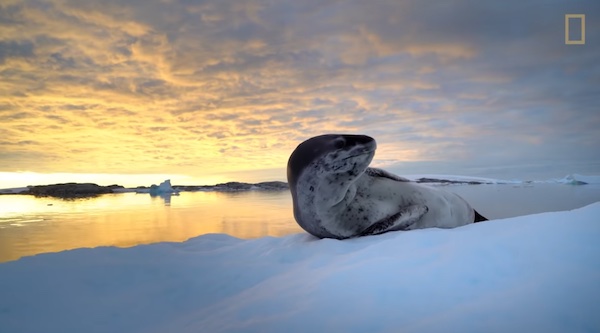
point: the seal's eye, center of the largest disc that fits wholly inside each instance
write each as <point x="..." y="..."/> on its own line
<point x="339" y="143"/>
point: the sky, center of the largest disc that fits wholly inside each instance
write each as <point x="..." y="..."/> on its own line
<point x="209" y="91"/>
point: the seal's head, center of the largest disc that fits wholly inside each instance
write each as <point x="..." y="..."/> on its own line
<point x="320" y="173"/>
<point x="331" y="153"/>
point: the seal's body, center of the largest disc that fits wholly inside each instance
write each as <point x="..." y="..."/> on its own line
<point x="336" y="195"/>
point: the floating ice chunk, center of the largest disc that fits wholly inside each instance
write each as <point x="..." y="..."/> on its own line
<point x="164" y="188"/>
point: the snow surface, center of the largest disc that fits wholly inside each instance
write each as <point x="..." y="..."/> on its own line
<point x="536" y="273"/>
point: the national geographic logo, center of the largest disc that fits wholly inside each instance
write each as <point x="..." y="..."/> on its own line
<point x="573" y="18"/>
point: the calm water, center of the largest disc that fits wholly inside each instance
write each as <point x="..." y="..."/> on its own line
<point x="31" y="225"/>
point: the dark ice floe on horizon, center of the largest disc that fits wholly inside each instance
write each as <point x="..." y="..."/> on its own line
<point x="239" y="186"/>
<point x="571" y="179"/>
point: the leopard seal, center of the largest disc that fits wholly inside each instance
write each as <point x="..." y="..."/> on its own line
<point x="336" y="195"/>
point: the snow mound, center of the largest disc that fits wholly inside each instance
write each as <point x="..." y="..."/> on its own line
<point x="536" y="273"/>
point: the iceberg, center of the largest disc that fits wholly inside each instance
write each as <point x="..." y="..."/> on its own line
<point x="164" y="188"/>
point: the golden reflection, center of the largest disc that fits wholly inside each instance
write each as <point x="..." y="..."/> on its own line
<point x="29" y="225"/>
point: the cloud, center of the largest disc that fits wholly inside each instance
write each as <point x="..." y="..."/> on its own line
<point x="15" y="49"/>
<point x="210" y="86"/>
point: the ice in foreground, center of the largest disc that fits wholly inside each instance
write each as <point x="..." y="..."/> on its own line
<point x="537" y="273"/>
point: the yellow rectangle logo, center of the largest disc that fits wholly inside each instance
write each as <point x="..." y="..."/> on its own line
<point x="575" y="16"/>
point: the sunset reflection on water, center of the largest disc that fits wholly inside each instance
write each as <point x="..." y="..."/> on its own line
<point x="30" y="225"/>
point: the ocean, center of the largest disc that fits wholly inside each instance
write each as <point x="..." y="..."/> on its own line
<point x="30" y="225"/>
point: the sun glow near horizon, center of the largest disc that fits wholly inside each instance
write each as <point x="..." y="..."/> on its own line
<point x="23" y="179"/>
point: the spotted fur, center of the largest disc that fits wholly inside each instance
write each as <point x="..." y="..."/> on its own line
<point x="336" y="195"/>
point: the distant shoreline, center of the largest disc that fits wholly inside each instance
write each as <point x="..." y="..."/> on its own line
<point x="82" y="190"/>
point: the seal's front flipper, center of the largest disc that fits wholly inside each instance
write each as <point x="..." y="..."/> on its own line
<point x="403" y="219"/>
<point x="374" y="172"/>
<point x="478" y="217"/>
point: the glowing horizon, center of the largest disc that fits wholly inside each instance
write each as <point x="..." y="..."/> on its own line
<point x="27" y="178"/>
